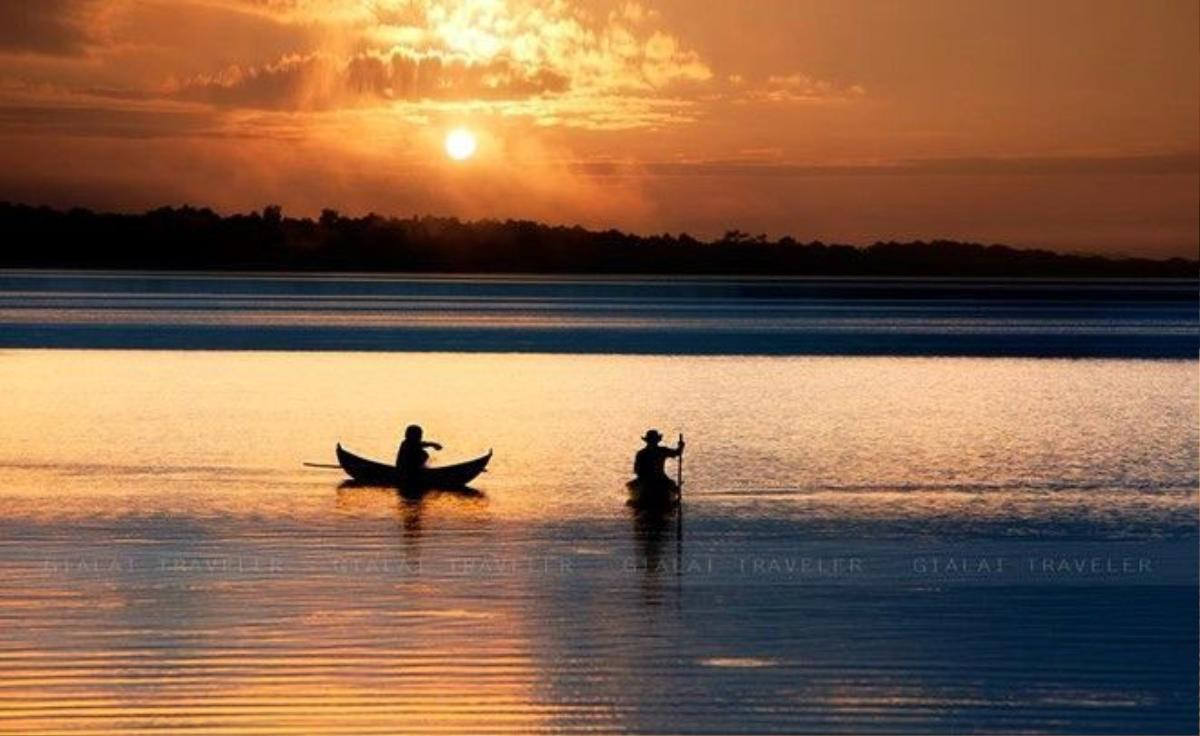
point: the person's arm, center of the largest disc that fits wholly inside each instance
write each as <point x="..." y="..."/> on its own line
<point x="675" y="452"/>
<point x="434" y="445"/>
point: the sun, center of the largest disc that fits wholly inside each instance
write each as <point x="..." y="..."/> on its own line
<point x="460" y="144"/>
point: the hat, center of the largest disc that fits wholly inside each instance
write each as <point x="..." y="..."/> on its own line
<point x="652" y="435"/>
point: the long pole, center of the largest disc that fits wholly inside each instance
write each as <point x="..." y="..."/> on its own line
<point x="679" y="468"/>
<point x="679" y="512"/>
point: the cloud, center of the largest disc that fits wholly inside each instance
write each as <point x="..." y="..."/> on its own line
<point x="107" y="122"/>
<point x="1167" y="164"/>
<point x="611" y="66"/>
<point x="798" y="88"/>
<point x="321" y="81"/>
<point x="485" y="51"/>
<point x="50" y="27"/>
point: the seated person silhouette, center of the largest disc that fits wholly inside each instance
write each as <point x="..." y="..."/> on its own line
<point x="412" y="456"/>
<point x="649" y="461"/>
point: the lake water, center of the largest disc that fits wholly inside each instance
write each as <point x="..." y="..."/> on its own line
<point x="928" y="507"/>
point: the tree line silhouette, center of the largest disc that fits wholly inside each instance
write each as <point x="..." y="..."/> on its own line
<point x="187" y="238"/>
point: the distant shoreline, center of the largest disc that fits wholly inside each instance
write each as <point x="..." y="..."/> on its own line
<point x="186" y="239"/>
<point x="609" y="277"/>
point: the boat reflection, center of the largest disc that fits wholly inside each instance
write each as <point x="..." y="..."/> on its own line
<point x="411" y="494"/>
<point x="409" y="507"/>
<point x="654" y="527"/>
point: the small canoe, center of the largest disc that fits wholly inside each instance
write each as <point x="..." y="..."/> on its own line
<point x="663" y="495"/>
<point x="369" y="472"/>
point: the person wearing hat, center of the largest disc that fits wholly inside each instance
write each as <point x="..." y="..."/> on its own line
<point x="649" y="461"/>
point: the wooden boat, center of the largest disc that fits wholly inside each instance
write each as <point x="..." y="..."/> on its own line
<point x="369" y="472"/>
<point x="648" y="495"/>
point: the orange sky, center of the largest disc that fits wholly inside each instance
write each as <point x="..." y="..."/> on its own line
<point x="1072" y="124"/>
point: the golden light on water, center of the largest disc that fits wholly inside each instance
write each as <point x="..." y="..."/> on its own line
<point x="460" y="144"/>
<point x="168" y="562"/>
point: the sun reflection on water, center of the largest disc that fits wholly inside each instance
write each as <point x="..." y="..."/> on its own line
<point x="167" y="561"/>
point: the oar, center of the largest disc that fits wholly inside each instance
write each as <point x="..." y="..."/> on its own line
<point x="323" y="465"/>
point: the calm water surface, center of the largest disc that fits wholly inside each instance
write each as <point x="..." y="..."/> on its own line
<point x="872" y="543"/>
<point x="817" y="316"/>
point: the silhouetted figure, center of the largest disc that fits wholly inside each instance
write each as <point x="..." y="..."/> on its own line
<point x="412" y="455"/>
<point x="648" y="464"/>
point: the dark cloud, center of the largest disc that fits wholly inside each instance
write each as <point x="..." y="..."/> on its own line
<point x="1158" y="164"/>
<point x="52" y="27"/>
<point x="1173" y="163"/>
<point x="102" y="122"/>
<point x="320" y="81"/>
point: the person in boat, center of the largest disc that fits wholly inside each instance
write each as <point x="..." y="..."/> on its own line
<point x="648" y="464"/>
<point x="412" y="455"/>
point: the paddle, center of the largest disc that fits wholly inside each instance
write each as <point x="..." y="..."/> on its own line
<point x="323" y="465"/>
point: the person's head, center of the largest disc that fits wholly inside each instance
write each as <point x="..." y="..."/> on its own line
<point x="414" y="433"/>
<point x="652" y="437"/>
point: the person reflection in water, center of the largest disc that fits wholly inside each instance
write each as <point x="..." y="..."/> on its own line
<point x="412" y="455"/>
<point x="648" y="464"/>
